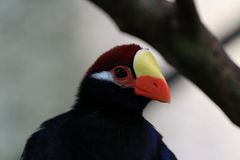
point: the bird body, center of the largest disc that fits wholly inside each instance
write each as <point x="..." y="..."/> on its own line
<point x="106" y="122"/>
<point x="78" y="135"/>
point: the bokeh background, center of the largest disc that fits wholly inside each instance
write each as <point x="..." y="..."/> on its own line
<point x="46" y="46"/>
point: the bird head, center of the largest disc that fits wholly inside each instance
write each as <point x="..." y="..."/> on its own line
<point x="125" y="77"/>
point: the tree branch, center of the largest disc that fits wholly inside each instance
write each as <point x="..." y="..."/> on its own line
<point x="176" y="31"/>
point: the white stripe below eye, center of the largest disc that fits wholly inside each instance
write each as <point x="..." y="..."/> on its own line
<point x="104" y="75"/>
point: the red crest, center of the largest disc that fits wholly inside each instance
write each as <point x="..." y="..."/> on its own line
<point x="119" y="55"/>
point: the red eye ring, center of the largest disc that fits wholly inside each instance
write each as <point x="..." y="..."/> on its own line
<point x="121" y="72"/>
<point x="123" y="76"/>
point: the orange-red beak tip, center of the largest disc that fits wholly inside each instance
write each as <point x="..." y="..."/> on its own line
<point x="153" y="88"/>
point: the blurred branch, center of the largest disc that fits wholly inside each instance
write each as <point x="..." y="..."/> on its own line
<point x="176" y="31"/>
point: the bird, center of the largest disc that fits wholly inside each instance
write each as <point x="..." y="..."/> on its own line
<point x="105" y="122"/>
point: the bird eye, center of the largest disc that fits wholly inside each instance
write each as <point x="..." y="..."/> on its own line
<point x="120" y="72"/>
<point x="123" y="76"/>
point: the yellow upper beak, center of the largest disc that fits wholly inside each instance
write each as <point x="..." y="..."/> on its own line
<point x="150" y="81"/>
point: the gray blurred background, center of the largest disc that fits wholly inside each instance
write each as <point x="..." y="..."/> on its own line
<point x="46" y="46"/>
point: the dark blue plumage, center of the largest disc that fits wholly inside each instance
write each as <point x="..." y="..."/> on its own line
<point x="106" y="123"/>
<point x="76" y="135"/>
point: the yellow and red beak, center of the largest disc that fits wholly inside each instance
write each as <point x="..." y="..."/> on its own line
<point x="150" y="81"/>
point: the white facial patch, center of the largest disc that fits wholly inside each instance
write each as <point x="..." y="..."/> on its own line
<point x="104" y="75"/>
